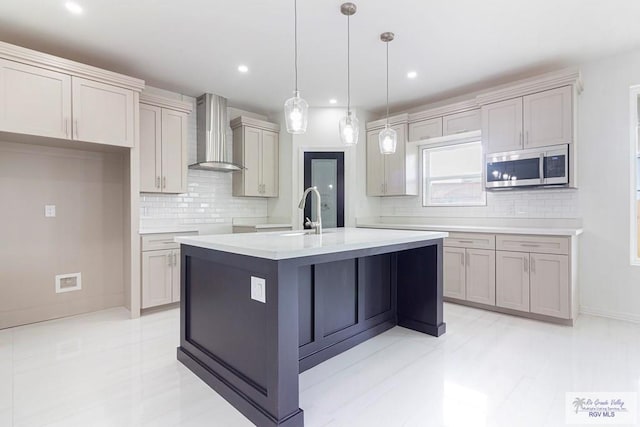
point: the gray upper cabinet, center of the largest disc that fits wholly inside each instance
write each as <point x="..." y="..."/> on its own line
<point x="502" y="126"/>
<point x="163" y="145"/>
<point x="34" y="101"/>
<point x="537" y="120"/>
<point x="256" y="147"/>
<point x="425" y="129"/>
<point x="392" y="174"/>
<point x="466" y="121"/>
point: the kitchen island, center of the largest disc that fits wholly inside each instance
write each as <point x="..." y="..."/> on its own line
<point x="257" y="309"/>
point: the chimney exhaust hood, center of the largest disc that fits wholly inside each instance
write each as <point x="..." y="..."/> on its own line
<point x="211" y="111"/>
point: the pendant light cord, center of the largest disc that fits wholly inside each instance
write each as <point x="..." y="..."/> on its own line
<point x="295" y="40"/>
<point x="387" y="43"/>
<point x="348" y="66"/>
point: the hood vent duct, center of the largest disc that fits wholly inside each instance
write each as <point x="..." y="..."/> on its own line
<point x="211" y="111"/>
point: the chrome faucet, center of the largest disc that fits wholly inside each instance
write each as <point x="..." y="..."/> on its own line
<point x="317" y="225"/>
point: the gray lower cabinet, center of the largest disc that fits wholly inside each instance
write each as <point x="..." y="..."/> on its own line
<point x="524" y="273"/>
<point x="160" y="269"/>
<point x="470" y="268"/>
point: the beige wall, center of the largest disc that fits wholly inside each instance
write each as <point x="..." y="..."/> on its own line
<point x="86" y="235"/>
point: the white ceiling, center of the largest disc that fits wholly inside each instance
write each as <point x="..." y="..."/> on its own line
<point x="194" y="46"/>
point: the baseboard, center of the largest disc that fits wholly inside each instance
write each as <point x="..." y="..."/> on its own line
<point x="626" y="317"/>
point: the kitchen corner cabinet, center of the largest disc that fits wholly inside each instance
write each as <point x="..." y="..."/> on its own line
<point x="392" y="174"/>
<point x="160" y="269"/>
<point x="42" y="102"/>
<point x="256" y="147"/>
<point x="536" y="120"/>
<point x="470" y="267"/>
<point x="163" y="145"/>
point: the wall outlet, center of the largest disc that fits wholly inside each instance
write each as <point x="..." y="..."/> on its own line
<point x="258" y="289"/>
<point x="50" y="211"/>
<point x="68" y="282"/>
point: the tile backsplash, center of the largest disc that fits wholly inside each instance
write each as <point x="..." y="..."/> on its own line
<point x="209" y="200"/>
<point x="544" y="203"/>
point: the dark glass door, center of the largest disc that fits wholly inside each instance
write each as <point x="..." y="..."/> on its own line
<point x="325" y="170"/>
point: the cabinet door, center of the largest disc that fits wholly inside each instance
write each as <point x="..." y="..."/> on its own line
<point x="270" y="173"/>
<point x="550" y="285"/>
<point x="502" y="126"/>
<point x="156" y="278"/>
<point x="175" y="276"/>
<point x="461" y="122"/>
<point x="512" y="280"/>
<point x="375" y="165"/>
<point x="150" y="148"/>
<point x="425" y="129"/>
<point x="548" y="118"/>
<point x="34" y="101"/>
<point x="454" y="273"/>
<point x="102" y="113"/>
<point x="174" y="151"/>
<point x="395" y="165"/>
<point x="252" y="164"/>
<point x="481" y="276"/>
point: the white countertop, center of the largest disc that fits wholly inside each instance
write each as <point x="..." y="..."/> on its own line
<point x="291" y="244"/>
<point x="541" y="231"/>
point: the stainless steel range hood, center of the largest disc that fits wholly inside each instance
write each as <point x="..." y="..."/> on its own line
<point x="212" y="120"/>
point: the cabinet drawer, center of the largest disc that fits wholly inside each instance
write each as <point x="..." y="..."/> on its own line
<point x="471" y="240"/>
<point x="535" y="244"/>
<point x="461" y="122"/>
<point x="154" y="242"/>
<point x="425" y="129"/>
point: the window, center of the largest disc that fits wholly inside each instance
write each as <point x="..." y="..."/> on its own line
<point x="453" y="175"/>
<point x="635" y="176"/>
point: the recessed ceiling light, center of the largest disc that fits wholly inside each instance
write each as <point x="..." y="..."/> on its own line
<point x="243" y="68"/>
<point x="412" y="74"/>
<point x="333" y="101"/>
<point x="73" y="7"/>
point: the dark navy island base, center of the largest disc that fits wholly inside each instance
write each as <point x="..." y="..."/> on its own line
<point x="316" y="307"/>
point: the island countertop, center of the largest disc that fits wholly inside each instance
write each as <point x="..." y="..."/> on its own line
<point x="296" y="244"/>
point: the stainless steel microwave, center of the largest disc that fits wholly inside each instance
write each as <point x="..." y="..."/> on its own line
<point x="525" y="168"/>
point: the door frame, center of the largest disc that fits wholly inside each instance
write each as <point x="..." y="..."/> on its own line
<point x="339" y="156"/>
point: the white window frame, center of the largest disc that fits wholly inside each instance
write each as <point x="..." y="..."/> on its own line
<point x="443" y="142"/>
<point x="633" y="175"/>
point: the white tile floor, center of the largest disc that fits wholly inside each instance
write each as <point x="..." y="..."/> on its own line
<point x="103" y="369"/>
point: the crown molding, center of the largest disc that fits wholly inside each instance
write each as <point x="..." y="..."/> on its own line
<point x="255" y="123"/>
<point x="61" y="65"/>
<point x="172" y="104"/>
<point x="552" y="80"/>
<point x="393" y="120"/>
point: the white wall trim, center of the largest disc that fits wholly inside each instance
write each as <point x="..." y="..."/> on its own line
<point x="634" y="94"/>
<point x="160" y="101"/>
<point x="625" y="317"/>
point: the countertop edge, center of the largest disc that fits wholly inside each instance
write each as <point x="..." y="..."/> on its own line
<point x="477" y="229"/>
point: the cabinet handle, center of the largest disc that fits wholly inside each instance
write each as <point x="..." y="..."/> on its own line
<point x="157" y="181"/>
<point x="521" y="139"/>
<point x="164" y="182"/>
<point x="75" y="130"/>
<point x="425" y="137"/>
<point x="175" y="259"/>
<point x="466" y="241"/>
<point x="530" y="245"/>
<point x="66" y="127"/>
<point x="461" y="131"/>
<point x="526" y="265"/>
<point x="468" y="259"/>
<point x="462" y="260"/>
<point x="526" y="138"/>
<point x="169" y="260"/>
<point x="533" y="265"/>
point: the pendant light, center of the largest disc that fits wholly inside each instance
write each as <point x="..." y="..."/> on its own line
<point x="348" y="125"/>
<point x="296" y="109"/>
<point x="388" y="138"/>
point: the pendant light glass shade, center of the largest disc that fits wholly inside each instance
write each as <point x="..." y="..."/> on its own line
<point x="296" y="114"/>
<point x="349" y="129"/>
<point x="296" y="109"/>
<point x="348" y="125"/>
<point x="388" y="140"/>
